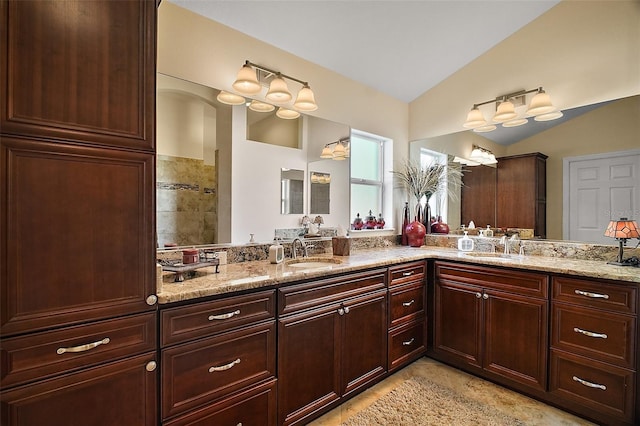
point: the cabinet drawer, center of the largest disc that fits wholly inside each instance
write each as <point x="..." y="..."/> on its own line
<point x="406" y="343"/>
<point x="256" y="406"/>
<point x="203" y="319"/>
<point x="406" y="303"/>
<point x="602" y="390"/>
<point x="207" y="370"/>
<point x="40" y="355"/>
<point x="320" y="292"/>
<point x="595" y="334"/>
<point x="598" y="294"/>
<point x="405" y="273"/>
<point x="520" y="282"/>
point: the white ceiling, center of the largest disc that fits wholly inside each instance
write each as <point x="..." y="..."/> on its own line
<point x="398" y="47"/>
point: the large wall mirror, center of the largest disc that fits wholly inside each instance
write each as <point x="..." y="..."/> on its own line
<point x="608" y="128"/>
<point x="194" y="179"/>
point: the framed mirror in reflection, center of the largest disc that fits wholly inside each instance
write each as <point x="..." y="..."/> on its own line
<point x="319" y="193"/>
<point x="291" y="191"/>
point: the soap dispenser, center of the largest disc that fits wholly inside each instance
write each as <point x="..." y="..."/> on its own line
<point x="488" y="232"/>
<point x="465" y="243"/>
<point x="276" y="252"/>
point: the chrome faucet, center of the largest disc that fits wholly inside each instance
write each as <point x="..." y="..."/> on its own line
<point x="294" y="254"/>
<point x="505" y="241"/>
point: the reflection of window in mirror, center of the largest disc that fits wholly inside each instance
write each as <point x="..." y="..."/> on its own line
<point x="438" y="203"/>
<point x="319" y="193"/>
<point x="367" y="175"/>
<point x="292" y="191"/>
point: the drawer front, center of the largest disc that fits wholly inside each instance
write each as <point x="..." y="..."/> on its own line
<point x="596" y="334"/>
<point x="45" y="354"/>
<point x="406" y="304"/>
<point x="204" y="319"/>
<point x="606" y="390"/>
<point x="406" y="343"/>
<point x="597" y="294"/>
<point x="321" y="292"/>
<point x="210" y="369"/>
<point x="520" y="282"/>
<point x="408" y="272"/>
<point x="256" y="406"/>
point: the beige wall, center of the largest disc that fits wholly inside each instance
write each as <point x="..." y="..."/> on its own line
<point x="613" y="127"/>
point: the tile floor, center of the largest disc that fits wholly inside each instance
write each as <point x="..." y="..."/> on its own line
<point x="532" y="412"/>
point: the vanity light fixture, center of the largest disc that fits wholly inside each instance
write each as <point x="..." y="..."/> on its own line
<point x="258" y="106"/>
<point x="482" y="156"/>
<point x="338" y="150"/>
<point x="622" y="230"/>
<point x="540" y="108"/>
<point x="230" y="98"/>
<point x="248" y="83"/>
<point x="287" y="114"/>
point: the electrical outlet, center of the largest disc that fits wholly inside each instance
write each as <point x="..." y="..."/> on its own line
<point x="222" y="257"/>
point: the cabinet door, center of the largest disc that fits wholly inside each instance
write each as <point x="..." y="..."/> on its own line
<point x="79" y="70"/>
<point x="364" y="340"/>
<point x="308" y="363"/>
<point x="77" y="231"/>
<point x="121" y="393"/>
<point x="516" y="325"/>
<point x="457" y="331"/>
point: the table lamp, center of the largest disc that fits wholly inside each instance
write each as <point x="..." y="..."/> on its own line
<point x="622" y="230"/>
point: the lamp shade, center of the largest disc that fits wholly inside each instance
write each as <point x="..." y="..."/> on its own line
<point x="305" y="101"/>
<point x="246" y="82"/>
<point x="287" y="114"/>
<point x="622" y="229"/>
<point x="230" y="98"/>
<point x="278" y="90"/>
<point x="474" y="119"/>
<point x="506" y="111"/>
<point x="540" y="104"/>
<point x="516" y="122"/>
<point x="548" y="116"/>
<point x="326" y="152"/>
<point x="484" y="129"/>
<point x="258" y="106"/>
<point x="339" y="153"/>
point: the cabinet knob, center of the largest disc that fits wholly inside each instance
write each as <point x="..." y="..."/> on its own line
<point x="478" y="295"/>
<point x="340" y="311"/>
<point x="152" y="300"/>
<point x="151" y="366"/>
<point x="346" y="309"/>
<point x="485" y="296"/>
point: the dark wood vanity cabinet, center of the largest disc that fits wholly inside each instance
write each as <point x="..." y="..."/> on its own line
<point x="492" y="322"/>
<point x="407" y="314"/>
<point x="77" y="214"/>
<point x="594" y="348"/>
<point x="332" y="342"/>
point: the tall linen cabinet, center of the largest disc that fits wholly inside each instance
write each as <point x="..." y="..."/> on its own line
<point x="77" y="213"/>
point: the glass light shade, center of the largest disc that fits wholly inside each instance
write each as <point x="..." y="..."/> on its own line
<point x="230" y="98"/>
<point x="306" y="100"/>
<point x="477" y="155"/>
<point x="339" y="152"/>
<point x="506" y="111"/>
<point x="474" y="119"/>
<point x="287" y="114"/>
<point x="549" y="116"/>
<point x="491" y="159"/>
<point x="622" y="228"/>
<point x="278" y="91"/>
<point x="540" y="104"/>
<point x="484" y="129"/>
<point x="326" y="152"/>
<point x="515" y="123"/>
<point x="246" y="82"/>
<point x="258" y="106"/>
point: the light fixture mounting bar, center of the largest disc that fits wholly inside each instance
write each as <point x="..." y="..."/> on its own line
<point x="247" y="62"/>
<point x="508" y="96"/>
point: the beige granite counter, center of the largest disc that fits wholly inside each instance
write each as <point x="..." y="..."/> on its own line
<point x="258" y="274"/>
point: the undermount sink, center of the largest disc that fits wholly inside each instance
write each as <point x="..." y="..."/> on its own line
<point x="498" y="256"/>
<point x="313" y="262"/>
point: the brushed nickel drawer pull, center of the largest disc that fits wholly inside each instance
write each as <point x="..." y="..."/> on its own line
<point x="224" y="367"/>
<point x="590" y="333"/>
<point x="408" y="274"/>
<point x="409" y="303"/>
<point x="593" y="295"/>
<point x="408" y="342"/>
<point x="83" y="348"/>
<point x="224" y="316"/>
<point x="589" y="384"/>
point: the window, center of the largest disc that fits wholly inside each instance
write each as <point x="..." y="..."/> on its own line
<point x="367" y="156"/>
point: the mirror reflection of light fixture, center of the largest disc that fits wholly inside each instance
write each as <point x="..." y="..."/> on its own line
<point x="482" y="156"/>
<point x="287" y="114"/>
<point x="258" y="106"/>
<point x="320" y="178"/>
<point x="230" y="98"/>
<point x="540" y="108"/>
<point x="338" y="150"/>
<point x="248" y="82"/>
<point x="622" y="230"/>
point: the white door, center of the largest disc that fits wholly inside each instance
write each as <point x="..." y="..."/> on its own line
<point x="599" y="188"/>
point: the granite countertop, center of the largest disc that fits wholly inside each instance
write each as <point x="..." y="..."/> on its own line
<point x="258" y="274"/>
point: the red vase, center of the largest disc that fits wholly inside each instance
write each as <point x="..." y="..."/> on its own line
<point x="415" y="233"/>
<point x="439" y="227"/>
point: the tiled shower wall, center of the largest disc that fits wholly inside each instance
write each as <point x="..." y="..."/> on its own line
<point x="186" y="201"/>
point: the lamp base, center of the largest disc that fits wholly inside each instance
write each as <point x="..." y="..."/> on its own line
<point x="632" y="261"/>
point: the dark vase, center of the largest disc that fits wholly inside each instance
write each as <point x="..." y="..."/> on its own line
<point x="405" y="223"/>
<point x="415" y="233"/>
<point x="438" y="227"/>
<point x="426" y="220"/>
<point x="358" y="223"/>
